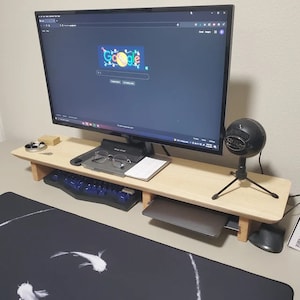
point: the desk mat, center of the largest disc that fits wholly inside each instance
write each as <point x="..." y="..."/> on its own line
<point x="46" y="253"/>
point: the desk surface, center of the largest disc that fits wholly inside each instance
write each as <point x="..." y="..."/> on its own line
<point x="16" y="177"/>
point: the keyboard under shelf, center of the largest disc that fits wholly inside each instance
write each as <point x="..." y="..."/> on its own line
<point x="94" y="190"/>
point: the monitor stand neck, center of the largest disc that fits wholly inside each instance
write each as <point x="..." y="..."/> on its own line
<point x="146" y="147"/>
<point x="135" y="150"/>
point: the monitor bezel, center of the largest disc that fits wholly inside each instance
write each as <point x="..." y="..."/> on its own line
<point x="135" y="137"/>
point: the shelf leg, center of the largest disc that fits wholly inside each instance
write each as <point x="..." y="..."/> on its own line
<point x="244" y="229"/>
<point x="147" y="198"/>
<point x="39" y="171"/>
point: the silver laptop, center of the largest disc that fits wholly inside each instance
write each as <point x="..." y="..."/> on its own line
<point x="192" y="217"/>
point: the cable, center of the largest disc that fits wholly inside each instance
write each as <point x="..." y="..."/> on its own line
<point x="290" y="196"/>
<point x="259" y="162"/>
<point x="293" y="207"/>
<point x="165" y="150"/>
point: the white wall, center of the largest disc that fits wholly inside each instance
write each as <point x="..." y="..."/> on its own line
<point x="2" y="135"/>
<point x="264" y="83"/>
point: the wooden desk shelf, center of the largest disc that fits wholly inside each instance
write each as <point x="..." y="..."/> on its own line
<point x="182" y="180"/>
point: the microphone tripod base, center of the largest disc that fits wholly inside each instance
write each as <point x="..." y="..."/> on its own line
<point x="241" y="174"/>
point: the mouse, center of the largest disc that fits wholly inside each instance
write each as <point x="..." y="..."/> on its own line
<point x="76" y="161"/>
<point x="269" y="237"/>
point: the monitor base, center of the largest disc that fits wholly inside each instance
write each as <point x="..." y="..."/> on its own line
<point x="133" y="151"/>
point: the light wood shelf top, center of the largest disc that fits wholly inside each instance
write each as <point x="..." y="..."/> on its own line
<point x="184" y="180"/>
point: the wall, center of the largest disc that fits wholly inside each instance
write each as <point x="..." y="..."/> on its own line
<point x="264" y="82"/>
<point x="2" y="135"/>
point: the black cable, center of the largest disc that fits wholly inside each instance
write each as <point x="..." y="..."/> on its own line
<point x="293" y="207"/>
<point x="259" y="162"/>
<point x="165" y="150"/>
<point x="291" y="196"/>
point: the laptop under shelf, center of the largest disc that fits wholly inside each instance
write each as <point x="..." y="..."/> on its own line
<point x="192" y="217"/>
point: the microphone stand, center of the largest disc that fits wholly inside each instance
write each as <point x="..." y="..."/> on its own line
<point x="241" y="174"/>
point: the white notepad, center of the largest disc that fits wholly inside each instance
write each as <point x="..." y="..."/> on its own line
<point x="146" y="168"/>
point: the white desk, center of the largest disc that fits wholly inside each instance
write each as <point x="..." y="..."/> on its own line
<point x="16" y="177"/>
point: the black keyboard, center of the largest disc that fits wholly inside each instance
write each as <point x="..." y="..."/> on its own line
<point x="93" y="190"/>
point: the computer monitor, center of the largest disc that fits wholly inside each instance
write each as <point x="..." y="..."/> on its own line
<point x="157" y="75"/>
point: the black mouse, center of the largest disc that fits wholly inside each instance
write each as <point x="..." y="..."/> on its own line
<point x="269" y="237"/>
<point x="76" y="161"/>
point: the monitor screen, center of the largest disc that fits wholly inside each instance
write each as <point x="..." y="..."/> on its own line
<point x="155" y="74"/>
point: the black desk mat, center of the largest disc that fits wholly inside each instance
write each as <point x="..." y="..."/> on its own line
<point x="49" y="254"/>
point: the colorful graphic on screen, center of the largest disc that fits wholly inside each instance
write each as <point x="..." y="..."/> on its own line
<point x="127" y="58"/>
